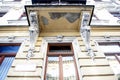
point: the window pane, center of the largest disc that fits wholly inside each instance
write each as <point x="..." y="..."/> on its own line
<point x="2" y="14"/>
<point x="9" y="49"/>
<point x="68" y="69"/>
<point x="60" y="48"/>
<point x="52" y="68"/>
<point x="110" y="48"/>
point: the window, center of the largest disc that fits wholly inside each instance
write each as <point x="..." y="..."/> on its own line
<point x="112" y="53"/>
<point x="9" y="49"/>
<point x="60" y="61"/>
<point x="110" y="47"/>
<point x="59" y="48"/>
<point x="116" y="14"/>
<point x="2" y="14"/>
<point x="7" y="53"/>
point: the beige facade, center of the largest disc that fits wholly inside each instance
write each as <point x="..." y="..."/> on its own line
<point x="99" y="69"/>
<point x="88" y="70"/>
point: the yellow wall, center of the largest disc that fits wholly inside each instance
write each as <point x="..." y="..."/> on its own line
<point x="13" y="30"/>
<point x="95" y="31"/>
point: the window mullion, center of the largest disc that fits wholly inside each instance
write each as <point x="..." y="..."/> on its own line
<point x="60" y="68"/>
<point x="116" y="56"/>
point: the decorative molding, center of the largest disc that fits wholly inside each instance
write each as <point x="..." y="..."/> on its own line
<point x="85" y="32"/>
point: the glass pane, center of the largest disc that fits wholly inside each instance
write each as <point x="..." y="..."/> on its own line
<point x="110" y="48"/>
<point x="68" y="69"/>
<point x="60" y="48"/>
<point x="9" y="49"/>
<point x="52" y="68"/>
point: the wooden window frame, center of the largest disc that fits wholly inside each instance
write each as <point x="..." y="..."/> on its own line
<point x="3" y="55"/>
<point x="1" y="59"/>
<point x="60" y="55"/>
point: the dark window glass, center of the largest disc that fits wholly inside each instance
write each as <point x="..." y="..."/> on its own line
<point x="2" y="14"/>
<point x="60" y="48"/>
<point x="9" y="49"/>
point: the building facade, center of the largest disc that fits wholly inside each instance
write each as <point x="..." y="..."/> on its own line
<point x="56" y="47"/>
